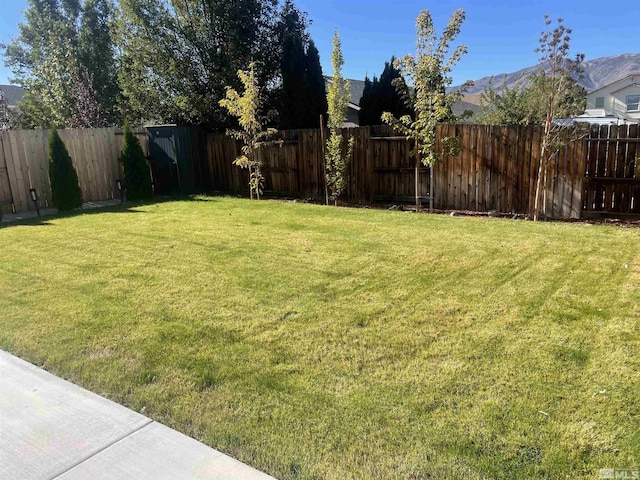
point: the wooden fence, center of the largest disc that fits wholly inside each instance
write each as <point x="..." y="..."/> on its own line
<point x="24" y="164"/>
<point x="612" y="175"/>
<point x="496" y="169"/>
<point x="596" y="173"/>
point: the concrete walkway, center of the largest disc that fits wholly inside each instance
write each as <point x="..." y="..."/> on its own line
<point x="53" y="429"/>
<point x="47" y="212"/>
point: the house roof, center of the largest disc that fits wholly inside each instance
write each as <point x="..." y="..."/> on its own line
<point x="634" y="84"/>
<point x="596" y="116"/>
<point x="356" y="89"/>
<point x="630" y="76"/>
<point x="604" y="120"/>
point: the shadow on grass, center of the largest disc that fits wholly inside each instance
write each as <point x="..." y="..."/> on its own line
<point x="126" y="207"/>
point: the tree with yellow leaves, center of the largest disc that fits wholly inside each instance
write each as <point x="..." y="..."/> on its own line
<point x="253" y="134"/>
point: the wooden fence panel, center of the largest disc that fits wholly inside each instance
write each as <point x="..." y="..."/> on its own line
<point x="24" y="164"/>
<point x="496" y="168"/>
<point x="6" y="198"/>
<point x="632" y="169"/>
<point x="612" y="182"/>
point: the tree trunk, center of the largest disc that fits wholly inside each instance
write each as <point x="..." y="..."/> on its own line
<point x="324" y="161"/>
<point x="417" y="177"/>
<point x="545" y="194"/>
<point x="258" y="176"/>
<point x="542" y="165"/>
<point x="536" y="203"/>
<point x="431" y="188"/>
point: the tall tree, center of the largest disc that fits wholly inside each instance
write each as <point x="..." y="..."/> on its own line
<point x="392" y="92"/>
<point x="317" y="93"/>
<point x="430" y="72"/>
<point x="303" y="95"/>
<point x="293" y="37"/>
<point x="364" y="114"/>
<point x="45" y="58"/>
<point x="370" y="103"/>
<point x="96" y="54"/>
<point x="338" y="100"/>
<point x="385" y="95"/>
<point x="252" y="133"/>
<point x="88" y="112"/>
<point x="554" y="83"/>
<point x="179" y="55"/>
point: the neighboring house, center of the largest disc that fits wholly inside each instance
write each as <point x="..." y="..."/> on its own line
<point x="617" y="103"/>
<point x="357" y="89"/>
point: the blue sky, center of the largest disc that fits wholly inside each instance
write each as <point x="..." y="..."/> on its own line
<point x="501" y="35"/>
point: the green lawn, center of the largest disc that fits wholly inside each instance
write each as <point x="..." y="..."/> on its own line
<point x="319" y="342"/>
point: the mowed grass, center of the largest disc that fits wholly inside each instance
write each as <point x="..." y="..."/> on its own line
<point x="318" y="342"/>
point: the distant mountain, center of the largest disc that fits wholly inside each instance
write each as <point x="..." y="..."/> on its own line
<point x="597" y="73"/>
<point x="13" y="94"/>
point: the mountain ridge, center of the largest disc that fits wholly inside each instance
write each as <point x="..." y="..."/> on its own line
<point x="598" y="73"/>
<point x="13" y="94"/>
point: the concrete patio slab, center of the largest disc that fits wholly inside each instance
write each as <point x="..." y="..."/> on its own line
<point x="161" y="453"/>
<point x="49" y="425"/>
<point x="53" y="429"/>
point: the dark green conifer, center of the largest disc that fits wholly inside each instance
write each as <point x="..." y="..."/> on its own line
<point x="365" y="103"/>
<point x="136" y="170"/>
<point x="383" y="96"/>
<point x="317" y="94"/>
<point x="303" y="96"/>
<point x="65" y="190"/>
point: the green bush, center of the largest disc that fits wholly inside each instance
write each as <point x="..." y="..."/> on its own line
<point x="65" y="190"/>
<point x="136" y="170"/>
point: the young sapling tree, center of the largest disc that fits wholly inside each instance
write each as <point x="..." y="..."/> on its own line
<point x="338" y="100"/>
<point x="429" y="70"/>
<point x="253" y="134"/>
